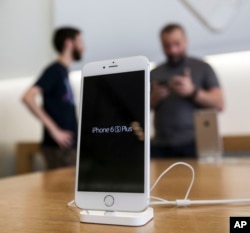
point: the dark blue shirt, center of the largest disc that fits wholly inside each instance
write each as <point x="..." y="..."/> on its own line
<point x="58" y="101"/>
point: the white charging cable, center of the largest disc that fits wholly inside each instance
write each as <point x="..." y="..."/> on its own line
<point x="161" y="201"/>
<point x="186" y="201"/>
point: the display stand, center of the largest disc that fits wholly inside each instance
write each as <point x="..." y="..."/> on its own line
<point x="117" y="218"/>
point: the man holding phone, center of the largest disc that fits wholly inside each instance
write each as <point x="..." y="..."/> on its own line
<point x="58" y="114"/>
<point x="178" y="88"/>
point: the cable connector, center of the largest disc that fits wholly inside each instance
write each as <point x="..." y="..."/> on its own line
<point x="183" y="202"/>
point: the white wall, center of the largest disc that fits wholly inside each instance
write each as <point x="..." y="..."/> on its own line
<point x="25" y="41"/>
<point x="17" y="123"/>
<point x="110" y="30"/>
<point x="234" y="73"/>
<point x="124" y="28"/>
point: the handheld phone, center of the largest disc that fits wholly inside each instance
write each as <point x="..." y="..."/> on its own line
<point x="113" y="141"/>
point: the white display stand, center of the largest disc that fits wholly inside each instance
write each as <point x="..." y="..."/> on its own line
<point x="117" y="218"/>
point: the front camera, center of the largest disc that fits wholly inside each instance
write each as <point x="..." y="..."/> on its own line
<point x="103" y="67"/>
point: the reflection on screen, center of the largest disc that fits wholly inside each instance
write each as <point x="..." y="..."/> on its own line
<point x="112" y="133"/>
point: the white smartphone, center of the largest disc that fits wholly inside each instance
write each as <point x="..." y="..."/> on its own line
<point x="208" y="139"/>
<point x="113" y="153"/>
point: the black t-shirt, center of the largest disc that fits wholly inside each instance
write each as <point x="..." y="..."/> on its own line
<point x="58" y="101"/>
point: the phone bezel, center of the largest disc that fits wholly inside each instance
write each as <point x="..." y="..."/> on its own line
<point x="123" y="201"/>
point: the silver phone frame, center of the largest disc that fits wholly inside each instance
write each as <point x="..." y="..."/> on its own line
<point x="123" y="201"/>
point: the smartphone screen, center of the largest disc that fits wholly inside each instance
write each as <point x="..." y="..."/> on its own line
<point x="112" y="133"/>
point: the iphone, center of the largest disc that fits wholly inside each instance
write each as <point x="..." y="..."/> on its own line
<point x="113" y="152"/>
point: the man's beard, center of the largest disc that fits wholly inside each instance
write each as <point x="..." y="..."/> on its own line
<point x="176" y="59"/>
<point x="77" y="56"/>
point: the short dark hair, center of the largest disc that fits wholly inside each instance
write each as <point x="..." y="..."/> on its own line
<point x="171" y="27"/>
<point x="61" y="35"/>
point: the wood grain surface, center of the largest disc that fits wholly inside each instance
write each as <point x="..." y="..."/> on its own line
<point x="37" y="202"/>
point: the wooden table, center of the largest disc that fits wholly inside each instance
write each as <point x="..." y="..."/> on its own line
<point x="37" y="202"/>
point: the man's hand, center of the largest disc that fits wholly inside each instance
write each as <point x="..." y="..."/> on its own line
<point x="183" y="84"/>
<point x="62" y="137"/>
<point x="158" y="93"/>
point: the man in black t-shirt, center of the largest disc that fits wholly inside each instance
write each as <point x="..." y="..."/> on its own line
<point x="58" y="114"/>
<point x="179" y="87"/>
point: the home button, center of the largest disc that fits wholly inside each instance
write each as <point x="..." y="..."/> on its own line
<point x="109" y="200"/>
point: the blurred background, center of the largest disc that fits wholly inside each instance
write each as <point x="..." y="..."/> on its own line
<point x="217" y="30"/>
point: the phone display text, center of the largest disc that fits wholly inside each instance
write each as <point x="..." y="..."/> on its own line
<point x="112" y="133"/>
